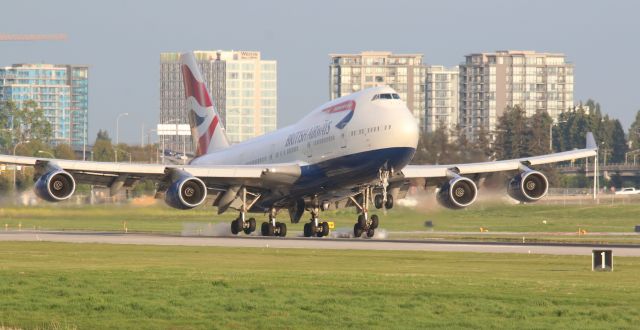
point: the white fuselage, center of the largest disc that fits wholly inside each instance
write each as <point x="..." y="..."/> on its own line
<point x="379" y="124"/>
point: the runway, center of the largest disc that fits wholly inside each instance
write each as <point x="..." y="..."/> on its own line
<point x="314" y="243"/>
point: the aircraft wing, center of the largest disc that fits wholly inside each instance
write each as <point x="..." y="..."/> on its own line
<point x="127" y="174"/>
<point x="437" y="171"/>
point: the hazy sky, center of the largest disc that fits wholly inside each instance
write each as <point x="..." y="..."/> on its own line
<point x="121" y="41"/>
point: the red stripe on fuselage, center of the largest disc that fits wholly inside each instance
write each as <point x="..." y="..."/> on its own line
<point x="205" y="139"/>
<point x="195" y="88"/>
<point x="340" y="107"/>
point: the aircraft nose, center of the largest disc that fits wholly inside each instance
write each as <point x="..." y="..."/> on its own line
<point x="408" y="125"/>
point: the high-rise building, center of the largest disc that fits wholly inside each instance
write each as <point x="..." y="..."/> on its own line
<point x="243" y="86"/>
<point x="61" y="90"/>
<point x="403" y="72"/>
<point x="491" y="82"/>
<point x="442" y="99"/>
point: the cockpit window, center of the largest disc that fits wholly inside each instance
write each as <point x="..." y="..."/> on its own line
<point x="386" y="96"/>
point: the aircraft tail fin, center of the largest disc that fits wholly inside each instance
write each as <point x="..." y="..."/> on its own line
<point x="591" y="141"/>
<point x="207" y="132"/>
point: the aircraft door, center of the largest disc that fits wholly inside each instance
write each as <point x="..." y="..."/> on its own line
<point x="307" y="150"/>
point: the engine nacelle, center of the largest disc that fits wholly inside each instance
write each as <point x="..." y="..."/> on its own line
<point x="186" y="192"/>
<point x="457" y="193"/>
<point x="528" y="186"/>
<point x="55" y="186"/>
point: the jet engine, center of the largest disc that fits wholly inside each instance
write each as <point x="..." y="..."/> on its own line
<point x="186" y="192"/>
<point x="528" y="186"/>
<point x="55" y="185"/>
<point x="457" y="193"/>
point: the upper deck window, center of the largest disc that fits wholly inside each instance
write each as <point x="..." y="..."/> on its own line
<point x="386" y="96"/>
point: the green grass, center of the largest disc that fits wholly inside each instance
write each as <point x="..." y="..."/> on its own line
<point x="86" y="286"/>
<point x="495" y="217"/>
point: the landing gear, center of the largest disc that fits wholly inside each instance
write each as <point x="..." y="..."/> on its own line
<point x="247" y="227"/>
<point x="384" y="199"/>
<point x="272" y="227"/>
<point x="365" y="223"/>
<point x="241" y="224"/>
<point x="315" y="227"/>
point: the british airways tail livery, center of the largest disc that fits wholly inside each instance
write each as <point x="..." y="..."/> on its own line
<point x="206" y="128"/>
<point x="351" y="152"/>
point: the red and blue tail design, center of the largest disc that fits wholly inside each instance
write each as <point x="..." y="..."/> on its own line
<point x="206" y="130"/>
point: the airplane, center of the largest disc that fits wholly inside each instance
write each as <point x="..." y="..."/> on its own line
<point x="353" y="151"/>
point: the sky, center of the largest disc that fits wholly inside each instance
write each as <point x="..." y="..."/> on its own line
<point x="121" y="41"/>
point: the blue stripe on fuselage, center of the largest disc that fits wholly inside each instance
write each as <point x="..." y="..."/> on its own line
<point x="350" y="170"/>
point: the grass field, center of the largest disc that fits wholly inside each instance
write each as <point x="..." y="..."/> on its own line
<point x="495" y="217"/>
<point x="87" y="286"/>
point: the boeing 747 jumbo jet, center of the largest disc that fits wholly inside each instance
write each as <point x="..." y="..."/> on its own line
<point x="352" y="151"/>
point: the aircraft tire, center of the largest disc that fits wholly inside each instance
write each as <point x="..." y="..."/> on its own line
<point x="374" y="221"/>
<point x="389" y="204"/>
<point x="252" y="225"/>
<point x="325" y="229"/>
<point x="362" y="221"/>
<point x="357" y="231"/>
<point x="371" y="232"/>
<point x="283" y="229"/>
<point x="378" y="201"/>
<point x="307" y="231"/>
<point x="234" y="227"/>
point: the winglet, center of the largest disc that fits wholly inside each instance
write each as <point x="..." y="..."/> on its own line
<point x="591" y="141"/>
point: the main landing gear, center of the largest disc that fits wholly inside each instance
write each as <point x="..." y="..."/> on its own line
<point x="315" y="227"/>
<point x="365" y="223"/>
<point x="273" y="228"/>
<point x="241" y="224"/>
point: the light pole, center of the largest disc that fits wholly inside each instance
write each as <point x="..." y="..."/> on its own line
<point x="15" y="167"/>
<point x="46" y="152"/>
<point x="551" y="133"/>
<point x="118" y="130"/>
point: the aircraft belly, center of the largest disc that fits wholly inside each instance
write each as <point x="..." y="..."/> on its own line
<point x="350" y="170"/>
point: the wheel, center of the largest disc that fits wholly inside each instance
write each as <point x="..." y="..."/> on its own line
<point x="389" y="204"/>
<point x="265" y="229"/>
<point x="374" y="221"/>
<point x="371" y="232"/>
<point x="307" y="230"/>
<point x="313" y="229"/>
<point x="362" y="221"/>
<point x="252" y="225"/>
<point x="269" y="229"/>
<point x="236" y="226"/>
<point x="357" y="231"/>
<point x="325" y="229"/>
<point x="378" y="201"/>
<point x="283" y="229"/>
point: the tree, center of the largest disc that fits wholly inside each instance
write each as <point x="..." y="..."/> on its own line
<point x="103" y="135"/>
<point x="103" y="151"/>
<point x="7" y="111"/>
<point x="102" y="148"/>
<point x="64" y="151"/>
<point x="30" y="124"/>
<point x="634" y="132"/>
<point x="511" y="138"/>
